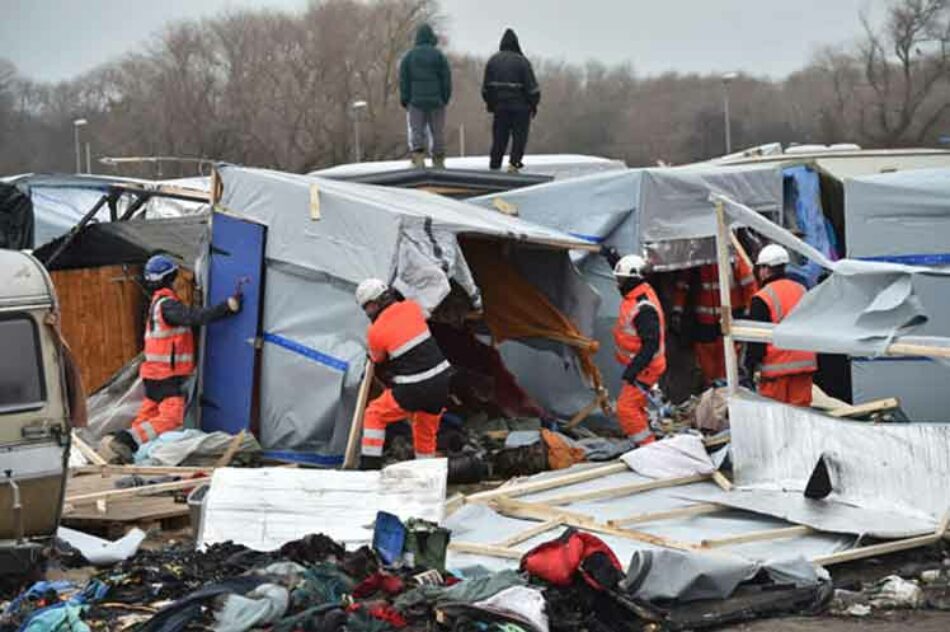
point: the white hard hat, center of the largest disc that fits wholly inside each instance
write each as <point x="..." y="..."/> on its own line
<point x="630" y="266"/>
<point x="370" y="290"/>
<point x="772" y="255"/>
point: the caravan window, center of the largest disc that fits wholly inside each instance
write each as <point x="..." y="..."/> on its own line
<point x="21" y="365"/>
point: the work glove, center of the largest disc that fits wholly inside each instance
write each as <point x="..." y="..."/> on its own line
<point x="234" y="303"/>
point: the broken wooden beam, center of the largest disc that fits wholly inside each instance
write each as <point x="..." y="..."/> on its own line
<point x="553" y="482"/>
<point x="720" y="479"/>
<point x="758" y="536"/>
<point x="527" y="534"/>
<point x="868" y="408"/>
<point x="87" y="451"/>
<point x="884" y="548"/>
<point x="624" y="490"/>
<point x="681" y="512"/>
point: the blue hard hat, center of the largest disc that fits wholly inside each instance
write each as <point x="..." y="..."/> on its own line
<point x="159" y="267"/>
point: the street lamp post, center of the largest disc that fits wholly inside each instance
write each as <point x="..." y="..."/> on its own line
<point x="76" y="125"/>
<point x="356" y="106"/>
<point x="726" y="79"/>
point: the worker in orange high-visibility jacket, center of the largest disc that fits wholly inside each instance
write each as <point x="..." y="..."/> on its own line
<point x="639" y="339"/>
<point x="697" y="297"/>
<point x="784" y="374"/>
<point x="169" y="359"/>
<point x="400" y="341"/>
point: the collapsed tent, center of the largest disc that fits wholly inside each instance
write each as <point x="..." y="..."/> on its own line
<point x="665" y="212"/>
<point x="298" y="245"/>
<point x="904" y="217"/>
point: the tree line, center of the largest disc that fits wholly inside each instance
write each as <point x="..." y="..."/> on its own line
<point x="275" y="89"/>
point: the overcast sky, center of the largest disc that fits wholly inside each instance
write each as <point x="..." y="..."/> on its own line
<point x="57" y="39"/>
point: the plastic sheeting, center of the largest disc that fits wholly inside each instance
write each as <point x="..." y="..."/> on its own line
<point x="803" y="195"/>
<point x="323" y="238"/>
<point x="264" y="508"/>
<point x="905" y="217"/>
<point x="873" y="465"/>
<point x="559" y="166"/>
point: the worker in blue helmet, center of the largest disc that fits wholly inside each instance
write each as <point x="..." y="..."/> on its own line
<point x="169" y="358"/>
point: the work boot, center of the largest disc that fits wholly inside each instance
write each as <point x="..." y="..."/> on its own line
<point x="118" y="448"/>
<point x="438" y="161"/>
<point x="513" y="168"/>
<point x="418" y="160"/>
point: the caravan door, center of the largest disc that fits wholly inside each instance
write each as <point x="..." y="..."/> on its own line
<point x="228" y="399"/>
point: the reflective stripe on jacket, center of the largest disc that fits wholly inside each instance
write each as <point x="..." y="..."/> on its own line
<point x="781" y="297"/>
<point x="626" y="339"/>
<point x="169" y="349"/>
<point x="401" y="338"/>
<point x="742" y="287"/>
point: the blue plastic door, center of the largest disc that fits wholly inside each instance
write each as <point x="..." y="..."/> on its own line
<point x="230" y="353"/>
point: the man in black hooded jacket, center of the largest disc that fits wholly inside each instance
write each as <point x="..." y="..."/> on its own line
<point x="512" y="94"/>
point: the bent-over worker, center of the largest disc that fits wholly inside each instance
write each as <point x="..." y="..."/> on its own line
<point x="785" y="374"/>
<point x="639" y="335"/>
<point x="399" y="339"/>
<point x="169" y="359"/>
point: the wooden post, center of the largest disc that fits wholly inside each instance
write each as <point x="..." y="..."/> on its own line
<point x="351" y="458"/>
<point x="681" y="512"/>
<point x="87" y="451"/>
<point x="231" y="450"/>
<point x="725" y="297"/>
<point x="531" y="487"/>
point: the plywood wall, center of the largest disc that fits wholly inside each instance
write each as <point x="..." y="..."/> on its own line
<point x="103" y="311"/>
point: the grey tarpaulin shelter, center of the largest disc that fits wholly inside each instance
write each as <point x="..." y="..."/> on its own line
<point x="665" y="212"/>
<point x="322" y="238"/>
<point x="904" y="217"/>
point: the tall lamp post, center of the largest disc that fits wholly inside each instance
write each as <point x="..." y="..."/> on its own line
<point x="76" y="125"/>
<point x="727" y="78"/>
<point x="356" y="107"/>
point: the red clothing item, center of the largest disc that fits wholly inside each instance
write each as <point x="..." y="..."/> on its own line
<point x="626" y="338"/>
<point x="154" y="418"/>
<point x="632" y="414"/>
<point x="782" y="297"/>
<point x="791" y="389"/>
<point x="385" y="410"/>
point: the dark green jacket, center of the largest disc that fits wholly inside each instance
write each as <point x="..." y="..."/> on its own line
<point x="425" y="80"/>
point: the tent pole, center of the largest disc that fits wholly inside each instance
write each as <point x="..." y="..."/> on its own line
<point x="351" y="457"/>
<point x="725" y="298"/>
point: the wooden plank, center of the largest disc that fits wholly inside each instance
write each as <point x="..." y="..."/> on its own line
<point x="536" y="511"/>
<point x="624" y="490"/>
<point x="583" y="413"/>
<point x="527" y="534"/>
<point x="758" y="536"/>
<point x="878" y="405"/>
<point x="144" y="490"/>
<point x="654" y="516"/>
<point x="484" y="549"/>
<point x="352" y="455"/>
<point x="725" y="297"/>
<point x="720" y="479"/>
<point x="87" y="451"/>
<point x="887" y="547"/>
<point x="232" y="449"/>
<point x="715" y="442"/>
<point x="531" y="487"/>
<point x="148" y="470"/>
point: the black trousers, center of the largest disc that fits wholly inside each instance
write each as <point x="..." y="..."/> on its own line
<point x="514" y="124"/>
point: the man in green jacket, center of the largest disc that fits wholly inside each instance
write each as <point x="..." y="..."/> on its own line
<point x="425" y="87"/>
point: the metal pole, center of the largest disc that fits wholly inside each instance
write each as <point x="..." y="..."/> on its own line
<point x="356" y="134"/>
<point x="88" y="159"/>
<point x="462" y="140"/>
<point x="78" y="150"/>
<point x="725" y="111"/>
<point x="725" y="298"/>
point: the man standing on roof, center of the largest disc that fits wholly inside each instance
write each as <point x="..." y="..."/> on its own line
<point x="699" y="288"/>
<point x="169" y="359"/>
<point x="639" y="335"/>
<point x="512" y="94"/>
<point x="785" y="374"/>
<point x="399" y="339"/>
<point x="425" y="88"/>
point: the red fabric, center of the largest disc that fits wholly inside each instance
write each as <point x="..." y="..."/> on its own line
<point x="397" y="324"/>
<point x="389" y="584"/>
<point x="155" y="418"/>
<point x="632" y="414"/>
<point x="627" y="341"/>
<point x="742" y="287"/>
<point x="385" y="410"/>
<point x="791" y="389"/>
<point x="169" y="350"/>
<point x="711" y="358"/>
<point x="557" y="561"/>
<point x="781" y="297"/>
<point x="388" y="614"/>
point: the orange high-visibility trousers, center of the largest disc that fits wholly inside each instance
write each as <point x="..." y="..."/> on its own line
<point x="154" y="418"/>
<point x="791" y="389"/>
<point x="632" y="414"/>
<point x="711" y="358"/>
<point x="385" y="410"/>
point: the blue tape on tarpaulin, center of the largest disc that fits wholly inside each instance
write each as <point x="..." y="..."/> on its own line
<point x="309" y="458"/>
<point x="939" y="259"/>
<point x="307" y="352"/>
<point x="591" y="238"/>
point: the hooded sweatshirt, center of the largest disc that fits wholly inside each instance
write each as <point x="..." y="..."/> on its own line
<point x="509" y="81"/>
<point x="425" y="79"/>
